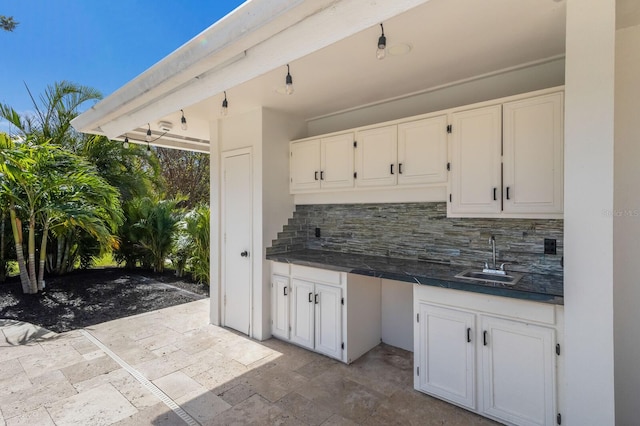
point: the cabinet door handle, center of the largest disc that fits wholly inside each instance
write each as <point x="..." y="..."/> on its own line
<point x="399" y="168"/>
<point x="392" y="169"/>
<point x="316" y="298"/>
<point x="310" y="295"/>
<point x="484" y="338"/>
<point x="315" y="174"/>
<point x="507" y="192"/>
<point x="284" y="289"/>
<point x="321" y="174"/>
<point x="495" y="194"/>
<point x="468" y="334"/>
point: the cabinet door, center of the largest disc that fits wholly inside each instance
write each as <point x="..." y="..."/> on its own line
<point x="422" y="151"/>
<point x="475" y="161"/>
<point x="533" y="155"/>
<point x="328" y="338"/>
<point x="280" y="306"/>
<point x="446" y="354"/>
<point x="518" y="371"/>
<point x="302" y="317"/>
<point x="336" y="161"/>
<point x="304" y="166"/>
<point x="376" y="157"/>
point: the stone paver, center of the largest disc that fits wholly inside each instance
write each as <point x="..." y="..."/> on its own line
<point x="215" y="375"/>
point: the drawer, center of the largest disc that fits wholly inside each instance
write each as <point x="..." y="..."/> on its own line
<point x="316" y="275"/>
<point x="280" y="268"/>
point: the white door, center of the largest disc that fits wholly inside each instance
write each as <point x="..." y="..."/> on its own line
<point x="475" y="161"/>
<point x="328" y="324"/>
<point x="302" y="313"/>
<point x="237" y="210"/>
<point x="337" y="161"/>
<point x="376" y="157"/>
<point x="446" y="354"/>
<point x="518" y="371"/>
<point x="533" y="155"/>
<point x="304" y="166"/>
<point x="422" y="151"/>
<point x="280" y="291"/>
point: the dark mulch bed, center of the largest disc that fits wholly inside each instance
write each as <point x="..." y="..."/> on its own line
<point x="84" y="298"/>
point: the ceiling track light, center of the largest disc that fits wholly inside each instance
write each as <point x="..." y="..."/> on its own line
<point x="382" y="45"/>
<point x="288" y="83"/>
<point x="225" y="105"/>
<point x="148" y="137"/>
<point x="125" y="144"/>
<point x="183" y="121"/>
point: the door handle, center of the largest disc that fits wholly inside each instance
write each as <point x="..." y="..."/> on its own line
<point x="392" y="169"/>
<point x="495" y="194"/>
<point x="316" y="298"/>
<point x="399" y="168"/>
<point x="468" y="334"/>
<point x="321" y="174"/>
<point x="484" y="337"/>
<point x="284" y="290"/>
<point x="507" y="192"/>
<point x="244" y="254"/>
<point x="310" y="296"/>
<point x="315" y="175"/>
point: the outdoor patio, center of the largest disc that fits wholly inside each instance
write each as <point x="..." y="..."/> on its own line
<point x="169" y="367"/>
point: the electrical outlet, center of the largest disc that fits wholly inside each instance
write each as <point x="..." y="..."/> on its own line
<point x="550" y="246"/>
<point x="317" y="232"/>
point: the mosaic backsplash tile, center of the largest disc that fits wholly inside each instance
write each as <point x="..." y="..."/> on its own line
<point x="422" y="231"/>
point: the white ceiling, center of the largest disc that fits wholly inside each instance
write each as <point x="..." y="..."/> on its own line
<point x="451" y="40"/>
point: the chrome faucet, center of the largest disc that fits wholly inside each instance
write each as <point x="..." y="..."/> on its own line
<point x="492" y="241"/>
<point x="494" y="269"/>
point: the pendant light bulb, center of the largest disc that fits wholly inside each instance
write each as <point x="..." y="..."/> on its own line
<point x="125" y="144"/>
<point x="148" y="137"/>
<point x="225" y="105"/>
<point x="382" y="45"/>
<point x="183" y="121"/>
<point x="289" y="83"/>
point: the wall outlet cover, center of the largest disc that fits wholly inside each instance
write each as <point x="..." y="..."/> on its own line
<point x="550" y="246"/>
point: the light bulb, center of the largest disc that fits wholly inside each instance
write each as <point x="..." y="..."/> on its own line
<point x="183" y="121"/>
<point x="225" y="105"/>
<point x="147" y="138"/>
<point x="289" y="83"/>
<point x="382" y="45"/>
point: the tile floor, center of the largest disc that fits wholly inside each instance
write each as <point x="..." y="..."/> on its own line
<point x="132" y="370"/>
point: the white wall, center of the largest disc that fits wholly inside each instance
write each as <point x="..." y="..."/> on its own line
<point x="626" y="226"/>
<point x="507" y="83"/>
<point x="588" y="232"/>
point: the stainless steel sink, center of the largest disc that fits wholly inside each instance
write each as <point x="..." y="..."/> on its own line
<point x="473" y="275"/>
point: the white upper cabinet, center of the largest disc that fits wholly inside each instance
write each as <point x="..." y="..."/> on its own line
<point x="533" y="155"/>
<point x="507" y="159"/>
<point x="422" y="151"/>
<point x="475" y="161"/>
<point x="304" y="166"/>
<point x="377" y="157"/>
<point x="321" y="163"/>
<point x="336" y="161"/>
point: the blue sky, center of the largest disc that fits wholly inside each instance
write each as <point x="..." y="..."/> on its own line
<point x="98" y="43"/>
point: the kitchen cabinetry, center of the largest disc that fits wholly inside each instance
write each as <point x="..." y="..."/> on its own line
<point x="310" y="308"/>
<point x="489" y="355"/>
<point x="324" y="163"/>
<point x="507" y="159"/>
<point x="409" y="153"/>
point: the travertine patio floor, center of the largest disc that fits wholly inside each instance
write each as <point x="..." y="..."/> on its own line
<point x="169" y="367"/>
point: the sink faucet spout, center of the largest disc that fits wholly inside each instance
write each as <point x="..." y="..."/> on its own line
<point x="492" y="241"/>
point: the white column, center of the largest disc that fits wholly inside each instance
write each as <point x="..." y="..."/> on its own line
<point x="588" y="284"/>
<point x="626" y="226"/>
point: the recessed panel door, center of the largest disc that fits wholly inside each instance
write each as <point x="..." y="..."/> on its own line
<point x="302" y="313"/>
<point x="237" y="200"/>
<point x="281" y="291"/>
<point x="328" y="326"/>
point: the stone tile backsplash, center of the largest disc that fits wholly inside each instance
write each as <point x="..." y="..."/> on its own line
<point x="422" y="231"/>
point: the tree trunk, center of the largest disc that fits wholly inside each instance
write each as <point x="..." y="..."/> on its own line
<point x="59" y="253"/>
<point x="17" y="236"/>
<point x="3" y="261"/>
<point x="32" y="255"/>
<point x="43" y="256"/>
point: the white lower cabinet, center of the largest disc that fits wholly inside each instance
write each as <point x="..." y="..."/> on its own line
<point x="309" y="307"/>
<point x="489" y="354"/>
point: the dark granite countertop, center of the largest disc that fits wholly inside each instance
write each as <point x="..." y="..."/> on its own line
<point x="536" y="287"/>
